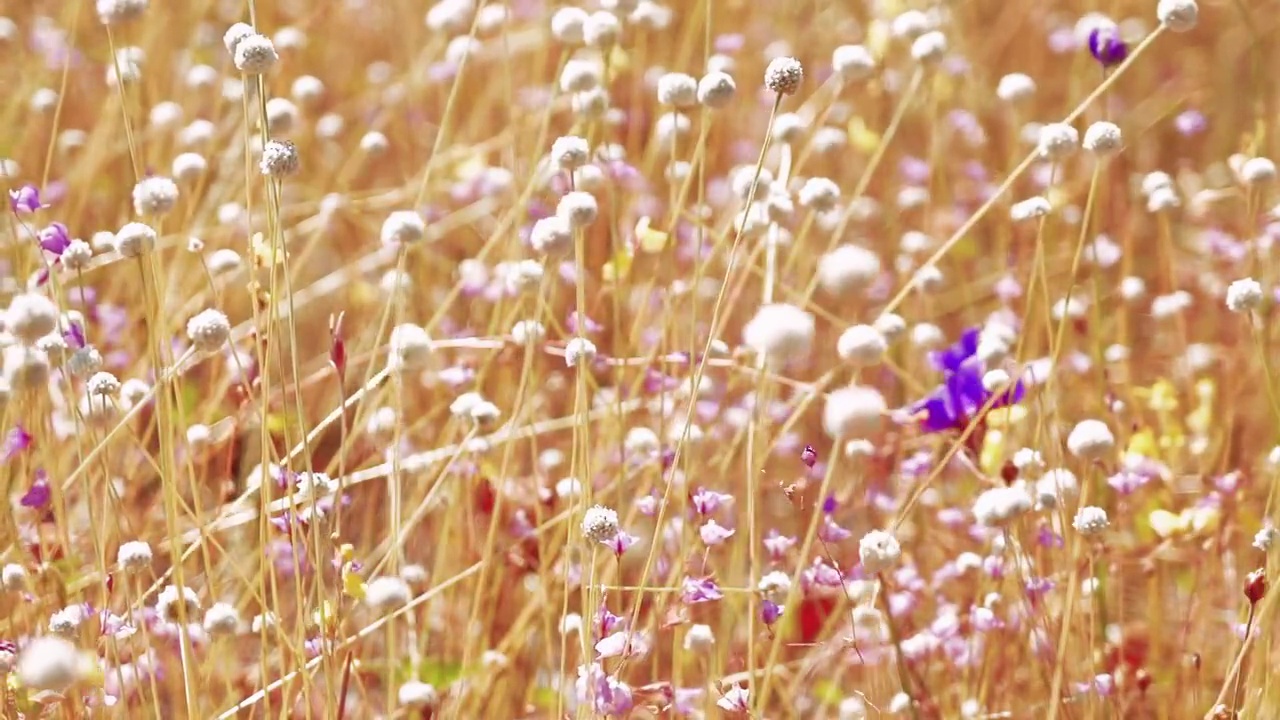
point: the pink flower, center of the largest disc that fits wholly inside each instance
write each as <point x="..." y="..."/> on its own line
<point x="736" y="700"/>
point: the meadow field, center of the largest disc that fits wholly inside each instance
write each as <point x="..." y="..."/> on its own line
<point x="639" y="359"/>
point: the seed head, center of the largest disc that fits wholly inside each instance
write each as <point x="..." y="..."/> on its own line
<point x="116" y="12"/>
<point x="102" y="384"/>
<point x="1091" y="440"/>
<point x="1015" y="87"/>
<point x="552" y="235"/>
<point x="570" y="152"/>
<point x="209" y="330"/>
<point x="784" y="75"/>
<point x="578" y="208"/>
<point x="852" y="63"/>
<point x="861" y="345"/>
<point x="222" y="619"/>
<point x="1178" y="15"/>
<point x="716" y="89"/>
<point x="173" y="603"/>
<point x="403" y="227"/>
<point x="13" y="577"/>
<point x="134" y="556"/>
<point x="579" y="350"/>
<point x="387" y="593"/>
<point x="49" y="663"/>
<point x="567" y="25"/>
<point x="929" y="48"/>
<point x="1030" y="209"/>
<point x="780" y="332"/>
<point x="188" y="167"/>
<point x="853" y="412"/>
<point x="600" y="524"/>
<point x="1090" y="520"/>
<point x="234" y="34"/>
<point x="154" y="196"/>
<point x="409" y="348"/>
<point x="255" y="54"/>
<point x="601" y="30"/>
<point x="580" y="75"/>
<point x="279" y="159"/>
<point x="417" y="694"/>
<point x="30" y="317"/>
<point x="1244" y="295"/>
<point x="1103" y="139"/>
<point x="677" y="89"/>
<point x="999" y="506"/>
<point x="1058" y="141"/>
<point x="819" y="193"/>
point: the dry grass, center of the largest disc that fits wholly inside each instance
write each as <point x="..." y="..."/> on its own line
<point x="442" y="566"/>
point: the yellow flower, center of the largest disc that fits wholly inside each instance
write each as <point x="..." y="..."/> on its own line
<point x="992" y="452"/>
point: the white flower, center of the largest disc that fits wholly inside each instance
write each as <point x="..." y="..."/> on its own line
<point x="998" y="506"/>
<point x="600" y="524"/>
<point x="1244" y="295"/>
<point x="861" y="345"/>
<point x="1091" y="440"/>
<point x="1090" y="520"/>
<point x="1058" y="141"/>
<point x="879" y="551"/>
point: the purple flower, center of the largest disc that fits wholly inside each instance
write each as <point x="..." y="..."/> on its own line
<point x="736" y="700"/>
<point x="606" y="694"/>
<point x="39" y="494"/>
<point x="777" y="545"/>
<point x="830" y="532"/>
<point x="699" y="590"/>
<point x="686" y="700"/>
<point x="961" y="397"/>
<point x="707" y="502"/>
<point x="25" y="199"/>
<point x="1190" y="122"/>
<point x="54" y="238"/>
<point x="17" y="441"/>
<point x="712" y="533"/>
<point x="770" y="612"/>
<point x="621" y="542"/>
<point x="1106" y="46"/>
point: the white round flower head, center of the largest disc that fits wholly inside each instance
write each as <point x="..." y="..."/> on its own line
<point x="282" y="115"/>
<point x="1103" y="139"/>
<point x="386" y="593"/>
<point x="852" y="708"/>
<point x="879" y="551"/>
<point x="13" y="577"/>
<point x="30" y="317"/>
<point x="580" y="75"/>
<point x="998" y="506"/>
<point x="780" y="332"/>
<point x="462" y="405"/>
<point x="209" y="330"/>
<point x="1258" y="170"/>
<point x="641" y="442"/>
<point x="528" y="332"/>
<point x="409" y="348"/>
<point x="699" y="638"/>
<point x="848" y="269"/>
<point x="224" y="262"/>
<point x="154" y="196"/>
<point x="1266" y="538"/>
<point x="417" y="694"/>
<point x="255" y="54"/>
<point x="1163" y="199"/>
<point x="1090" y="520"/>
<point x="677" y="89"/>
<point x="374" y="143"/>
<point x="115" y="12"/>
<point x="930" y="47"/>
<point x="102" y="384"/>
<point x="77" y="255"/>
<point x="1244" y="295"/>
<point x="49" y="663"/>
<point x="819" y="193"/>
<point x="307" y="89"/>
<point x="551" y="235"/>
<point x="716" y="89"/>
<point x="134" y="239"/>
<point x="784" y="75"/>
<point x="1015" y="87"/>
<point x="189" y="166"/>
<point x="175" y="605"/>
<point x="853" y="412"/>
<point x="861" y="345"/>
<point x="403" y="227"/>
<point x="910" y="24"/>
<point x="578" y="208"/>
<point x="451" y="16"/>
<point x="1030" y="209"/>
<point x="891" y="325"/>
<point x="995" y="379"/>
<point x="234" y="34"/>
<point x="222" y="619"/>
<point x="601" y="30"/>
<point x="599" y="524"/>
<point x="279" y="159"/>
<point x="26" y="368"/>
<point x="567" y="24"/>
<point x="1091" y="440"/>
<point x="578" y="351"/>
<point x="1058" y="141"/>
<point x="1178" y="15"/>
<point x="570" y="152"/>
<point x="852" y="63"/>
<point x="134" y="556"/>
<point x="775" y="585"/>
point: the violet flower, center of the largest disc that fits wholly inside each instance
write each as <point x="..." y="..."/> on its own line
<point x="700" y="590"/>
<point x="961" y="397"/>
<point x="39" y="494"/>
<point x="16" y="442"/>
<point x="54" y="239"/>
<point x="25" y="199"/>
<point x="606" y="694"/>
<point x="770" y="612"/>
<point x="1106" y="46"/>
